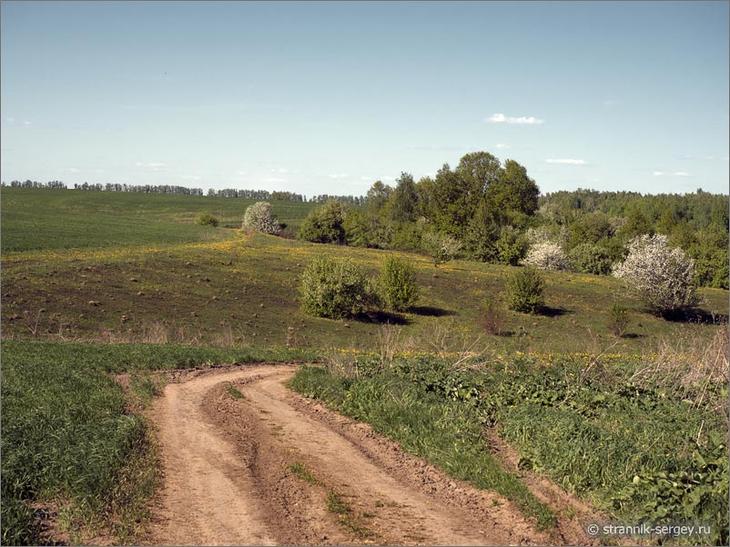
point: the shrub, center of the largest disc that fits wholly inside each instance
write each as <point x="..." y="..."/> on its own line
<point x="206" y="219"/>
<point x="258" y="217"/>
<point x="325" y="224"/>
<point x="397" y="284"/>
<point x="588" y="258"/>
<point x="511" y="246"/>
<point x="662" y="277"/>
<point x="618" y="319"/>
<point x="546" y="256"/>
<point x="441" y="247"/>
<point x="493" y="317"/>
<point x="524" y="290"/>
<point x="335" y="289"/>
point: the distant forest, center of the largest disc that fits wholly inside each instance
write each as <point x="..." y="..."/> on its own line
<point x="184" y="191"/>
<point x="494" y="212"/>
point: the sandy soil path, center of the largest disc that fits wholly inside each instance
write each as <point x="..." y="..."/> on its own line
<point x="271" y="467"/>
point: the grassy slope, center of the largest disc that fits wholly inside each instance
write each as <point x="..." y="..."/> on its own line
<point x="249" y="285"/>
<point x="55" y="219"/>
<point x="68" y="437"/>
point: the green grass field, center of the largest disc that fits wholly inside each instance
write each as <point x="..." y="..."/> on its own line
<point x="65" y="219"/>
<point x="95" y="284"/>
<point x="243" y="291"/>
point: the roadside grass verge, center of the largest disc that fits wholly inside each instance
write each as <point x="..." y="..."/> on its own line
<point x="447" y="434"/>
<point x="70" y="439"/>
<point x="636" y="451"/>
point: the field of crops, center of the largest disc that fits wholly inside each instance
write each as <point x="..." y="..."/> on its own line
<point x="67" y="219"/>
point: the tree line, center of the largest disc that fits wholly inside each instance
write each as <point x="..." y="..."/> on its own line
<point x="491" y="211"/>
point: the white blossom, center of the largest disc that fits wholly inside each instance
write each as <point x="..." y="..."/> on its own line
<point x="258" y="217"/>
<point x="661" y="276"/>
<point x="546" y="256"/>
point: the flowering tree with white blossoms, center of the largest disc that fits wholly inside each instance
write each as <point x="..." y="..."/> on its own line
<point x="662" y="277"/>
<point x="546" y="255"/>
<point x="258" y="217"/>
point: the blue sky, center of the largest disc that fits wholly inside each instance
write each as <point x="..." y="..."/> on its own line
<point x="328" y="97"/>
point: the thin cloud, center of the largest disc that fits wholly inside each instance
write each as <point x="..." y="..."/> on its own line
<point x="338" y="175"/>
<point x="671" y="174"/>
<point x="514" y="120"/>
<point x="566" y="161"/>
<point x="502" y="146"/>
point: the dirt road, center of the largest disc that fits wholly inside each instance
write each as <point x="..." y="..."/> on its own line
<point x="246" y="461"/>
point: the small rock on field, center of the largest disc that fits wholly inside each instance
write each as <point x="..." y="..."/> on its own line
<point x="214" y="297"/>
<point x="140" y="293"/>
<point x="133" y="279"/>
<point x="94" y="302"/>
<point x="261" y="305"/>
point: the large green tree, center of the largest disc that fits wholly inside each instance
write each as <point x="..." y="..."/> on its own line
<point x="402" y="205"/>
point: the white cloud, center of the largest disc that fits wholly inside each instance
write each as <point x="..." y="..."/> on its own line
<point x="72" y="169"/>
<point x="671" y="174"/>
<point x="338" y="175"/>
<point x="274" y="179"/>
<point x="388" y="178"/>
<point x="26" y="122"/>
<point x="190" y="177"/>
<point x="516" y="120"/>
<point x="280" y="170"/>
<point x="566" y="161"/>
<point x="10" y="119"/>
<point x="502" y="146"/>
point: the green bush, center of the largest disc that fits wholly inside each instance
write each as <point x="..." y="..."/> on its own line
<point x="206" y="219"/>
<point x="335" y="289"/>
<point x="589" y="258"/>
<point x="441" y="247"/>
<point x="524" y="291"/>
<point x="618" y="320"/>
<point x="511" y="246"/>
<point x="397" y="284"/>
<point x="325" y="224"/>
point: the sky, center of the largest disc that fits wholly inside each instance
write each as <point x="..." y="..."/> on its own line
<point x="328" y="97"/>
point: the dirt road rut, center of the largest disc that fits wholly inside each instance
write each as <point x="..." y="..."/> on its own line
<point x="246" y="461"/>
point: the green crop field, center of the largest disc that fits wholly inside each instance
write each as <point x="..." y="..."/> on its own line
<point x="41" y="219"/>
